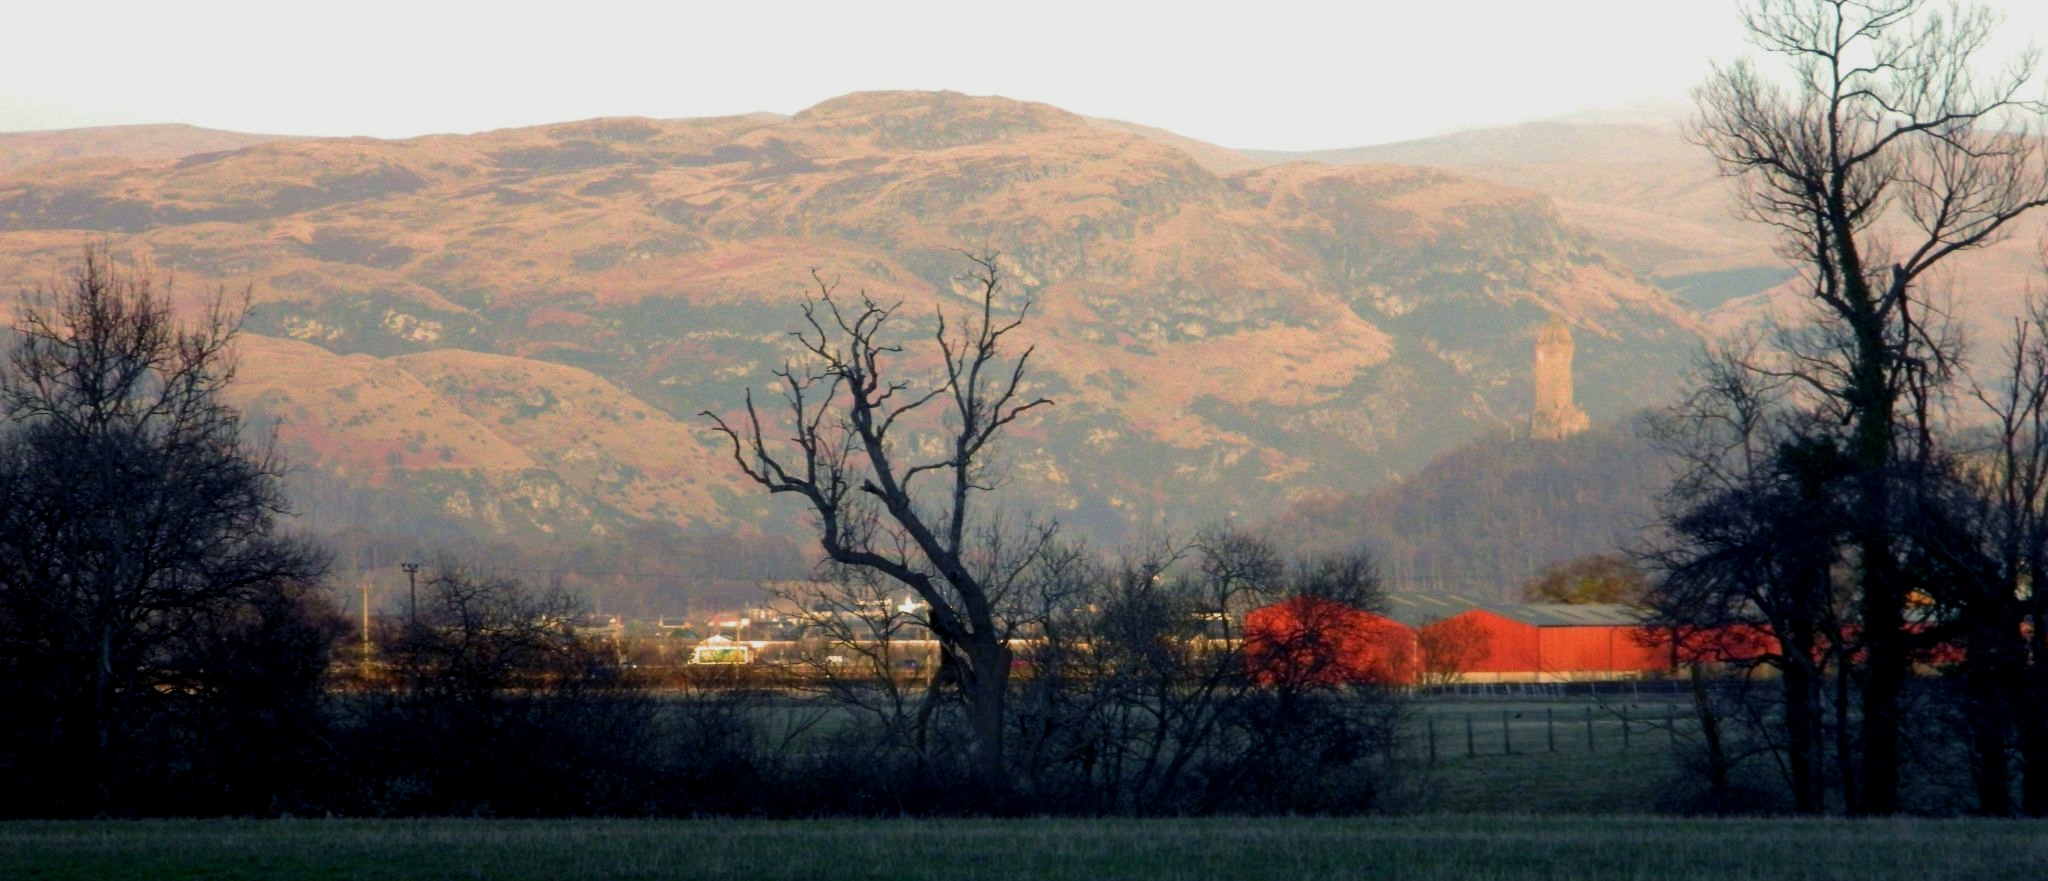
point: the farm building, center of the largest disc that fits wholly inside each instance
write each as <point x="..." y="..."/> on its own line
<point x="1548" y="642"/>
<point x="1418" y="610"/>
<point x="1439" y="638"/>
<point x="1309" y="639"/>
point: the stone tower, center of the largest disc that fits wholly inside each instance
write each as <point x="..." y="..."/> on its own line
<point x="1555" y="416"/>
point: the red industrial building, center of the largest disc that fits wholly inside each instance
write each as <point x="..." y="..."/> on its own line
<point x="1314" y="640"/>
<point x="1547" y="642"/>
<point x="1506" y="642"/>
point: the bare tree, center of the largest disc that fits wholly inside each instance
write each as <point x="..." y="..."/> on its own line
<point x="1987" y="534"/>
<point x="1888" y="150"/>
<point x="1152" y="691"/>
<point x="1320" y="731"/>
<point x="860" y="647"/>
<point x="2019" y="521"/>
<point x="1450" y="648"/>
<point x="885" y="500"/>
<point x="1138" y="673"/>
<point x="1752" y="540"/>
<point x="503" y="704"/>
<point x="476" y="637"/>
<point x="140" y="530"/>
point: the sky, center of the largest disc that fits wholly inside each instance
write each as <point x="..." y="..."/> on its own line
<point x="1275" y="75"/>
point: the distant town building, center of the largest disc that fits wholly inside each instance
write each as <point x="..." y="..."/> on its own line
<point x="1555" y="415"/>
<point x="722" y="650"/>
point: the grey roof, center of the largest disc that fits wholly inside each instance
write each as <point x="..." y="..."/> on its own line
<point x="1562" y="615"/>
<point x="1417" y="609"/>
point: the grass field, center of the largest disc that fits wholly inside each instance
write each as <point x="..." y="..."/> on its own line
<point x="1417" y="848"/>
<point x="1560" y="804"/>
<point x="1551" y="770"/>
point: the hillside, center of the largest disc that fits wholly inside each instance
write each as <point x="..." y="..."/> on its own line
<point x="1656" y="202"/>
<point x="130" y="142"/>
<point x="1651" y="199"/>
<point x="515" y="327"/>
<point x="1485" y="516"/>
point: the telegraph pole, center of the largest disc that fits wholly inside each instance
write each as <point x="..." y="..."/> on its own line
<point x="365" y="581"/>
<point x="412" y="591"/>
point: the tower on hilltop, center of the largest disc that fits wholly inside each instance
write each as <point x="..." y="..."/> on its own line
<point x="1555" y="416"/>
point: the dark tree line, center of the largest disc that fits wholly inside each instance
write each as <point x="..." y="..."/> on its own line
<point x="1828" y="497"/>
<point x="149" y="605"/>
<point x="1144" y="683"/>
<point x="166" y="648"/>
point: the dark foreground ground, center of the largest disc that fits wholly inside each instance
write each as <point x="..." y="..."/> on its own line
<point x="1084" y="850"/>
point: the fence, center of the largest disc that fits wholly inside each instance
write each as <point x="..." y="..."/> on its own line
<point x="1523" y="730"/>
<point x="1615" y="688"/>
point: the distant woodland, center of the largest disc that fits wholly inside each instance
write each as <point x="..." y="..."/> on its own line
<point x="1487" y="516"/>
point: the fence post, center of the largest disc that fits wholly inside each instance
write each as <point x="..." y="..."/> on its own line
<point x="1590" y="746"/>
<point x="1471" y="751"/>
<point x="1624" y="727"/>
<point x="1671" y="714"/>
<point x="1550" y="727"/>
<point x="1507" y="738"/>
<point x="1429" y="723"/>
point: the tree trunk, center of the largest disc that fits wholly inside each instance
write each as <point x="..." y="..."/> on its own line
<point x="2033" y="724"/>
<point x="1845" y="740"/>
<point x="1803" y="740"/>
<point x="2034" y="768"/>
<point x="1885" y="648"/>
<point x="1992" y="679"/>
<point x="986" y="687"/>
<point x="1887" y="666"/>
<point x="1710" y="736"/>
<point x="1993" y="771"/>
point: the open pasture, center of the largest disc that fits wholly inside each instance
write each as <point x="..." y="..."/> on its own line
<point x="1568" y="755"/>
<point x="1298" y="849"/>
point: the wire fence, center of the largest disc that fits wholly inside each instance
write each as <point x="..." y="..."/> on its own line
<point x="1606" y="727"/>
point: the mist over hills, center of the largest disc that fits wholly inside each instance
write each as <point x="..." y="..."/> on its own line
<point x="1650" y="198"/>
<point x="1486" y="516"/>
<point x="1656" y="203"/>
<point x="130" y="142"/>
<point x="512" y="329"/>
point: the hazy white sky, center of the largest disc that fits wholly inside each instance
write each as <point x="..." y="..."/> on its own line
<point x="1273" y="74"/>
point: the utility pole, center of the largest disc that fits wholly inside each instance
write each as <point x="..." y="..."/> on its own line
<point x="412" y="591"/>
<point x="364" y="579"/>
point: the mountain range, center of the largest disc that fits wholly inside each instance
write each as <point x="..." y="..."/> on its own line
<point x="513" y="329"/>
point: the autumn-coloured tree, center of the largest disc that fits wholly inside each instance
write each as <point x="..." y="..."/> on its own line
<point x="1601" y="578"/>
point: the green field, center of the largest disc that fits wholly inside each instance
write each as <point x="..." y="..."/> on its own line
<point x="1085" y="850"/>
<point x="1545" y="763"/>
<point x="1528" y="793"/>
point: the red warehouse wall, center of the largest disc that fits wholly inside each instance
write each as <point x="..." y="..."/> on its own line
<point x="1519" y="648"/>
<point x="1511" y="646"/>
<point x="1351" y="645"/>
<point x="1585" y="649"/>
